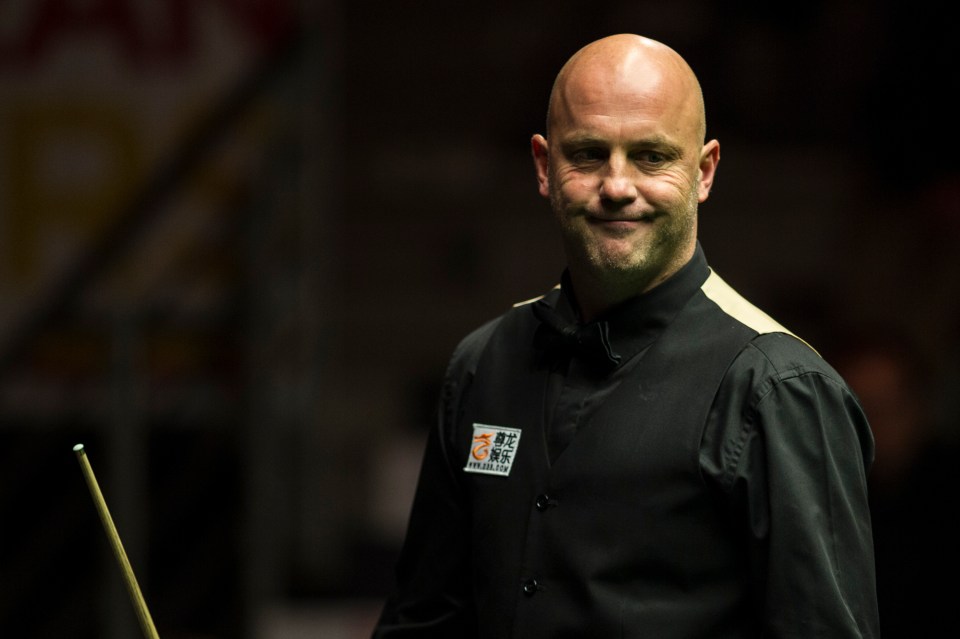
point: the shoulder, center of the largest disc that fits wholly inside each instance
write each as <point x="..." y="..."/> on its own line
<point x="782" y="387"/>
<point x="780" y="391"/>
<point x="782" y="356"/>
<point x="773" y="351"/>
<point x="774" y="359"/>
<point x="734" y="306"/>
<point x="467" y="353"/>
<point x="466" y="356"/>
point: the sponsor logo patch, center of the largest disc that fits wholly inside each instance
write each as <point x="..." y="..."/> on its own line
<point x="493" y="450"/>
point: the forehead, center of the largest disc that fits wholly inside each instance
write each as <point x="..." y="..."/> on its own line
<point x="634" y="97"/>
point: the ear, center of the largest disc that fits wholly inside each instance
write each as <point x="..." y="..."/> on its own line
<point x="541" y="163"/>
<point x="709" y="159"/>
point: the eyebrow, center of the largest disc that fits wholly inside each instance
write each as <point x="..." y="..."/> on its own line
<point x="580" y="140"/>
<point x="653" y="142"/>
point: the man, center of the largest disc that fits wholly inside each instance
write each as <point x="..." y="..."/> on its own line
<point x="640" y="452"/>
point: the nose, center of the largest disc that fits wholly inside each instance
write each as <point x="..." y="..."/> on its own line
<point x="616" y="185"/>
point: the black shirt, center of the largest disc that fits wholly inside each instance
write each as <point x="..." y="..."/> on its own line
<point x="701" y="472"/>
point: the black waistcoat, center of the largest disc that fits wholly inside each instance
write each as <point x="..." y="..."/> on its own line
<point x="621" y="537"/>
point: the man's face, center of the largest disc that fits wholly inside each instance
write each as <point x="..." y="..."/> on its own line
<point x="622" y="170"/>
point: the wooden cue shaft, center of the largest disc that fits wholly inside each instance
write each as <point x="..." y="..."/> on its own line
<point x="139" y="603"/>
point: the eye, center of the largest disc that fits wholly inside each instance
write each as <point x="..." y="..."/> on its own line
<point x="589" y="155"/>
<point x="648" y="156"/>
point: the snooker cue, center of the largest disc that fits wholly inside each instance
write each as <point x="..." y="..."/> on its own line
<point x="139" y="603"/>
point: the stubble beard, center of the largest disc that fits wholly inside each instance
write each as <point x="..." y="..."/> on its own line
<point x="650" y="257"/>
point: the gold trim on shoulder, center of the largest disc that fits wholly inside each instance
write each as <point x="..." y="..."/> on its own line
<point x="737" y="307"/>
<point x="533" y="299"/>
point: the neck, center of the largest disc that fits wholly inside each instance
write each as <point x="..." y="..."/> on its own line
<point x="596" y="295"/>
<point x="597" y="292"/>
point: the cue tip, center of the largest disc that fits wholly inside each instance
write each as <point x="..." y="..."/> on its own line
<point x="78" y="448"/>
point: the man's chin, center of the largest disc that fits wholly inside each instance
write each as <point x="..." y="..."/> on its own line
<point x="613" y="268"/>
<point x="618" y="259"/>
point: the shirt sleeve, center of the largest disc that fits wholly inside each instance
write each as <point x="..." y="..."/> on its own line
<point x="792" y="448"/>
<point x="433" y="595"/>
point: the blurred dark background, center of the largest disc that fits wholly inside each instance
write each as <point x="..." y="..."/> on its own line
<point x="239" y="239"/>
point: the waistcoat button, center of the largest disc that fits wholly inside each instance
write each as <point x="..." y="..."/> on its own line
<point x="543" y="502"/>
<point x="530" y="587"/>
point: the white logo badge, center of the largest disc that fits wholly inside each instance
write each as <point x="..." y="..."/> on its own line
<point x="493" y="450"/>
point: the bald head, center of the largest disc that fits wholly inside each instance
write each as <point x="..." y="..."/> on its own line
<point x="634" y="67"/>
<point x="625" y="166"/>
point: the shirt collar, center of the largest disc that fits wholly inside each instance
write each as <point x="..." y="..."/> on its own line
<point x="636" y="323"/>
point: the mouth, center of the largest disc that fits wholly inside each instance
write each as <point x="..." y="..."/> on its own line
<point x="620" y="222"/>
